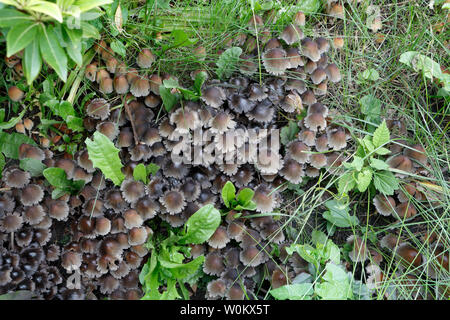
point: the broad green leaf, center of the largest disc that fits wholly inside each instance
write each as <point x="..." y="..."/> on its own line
<point x="369" y="74"/>
<point x="181" y="271"/>
<point x="200" y="78"/>
<point x="105" y="156"/>
<point x="338" y="214"/>
<point x="296" y="291"/>
<point x="72" y="34"/>
<point x="74" y="52"/>
<point x="227" y="62"/>
<point x="381" y="135"/>
<point x="52" y="52"/>
<point x="20" y="36"/>
<point x="74" y="123"/>
<point x="385" y="182"/>
<point x="245" y="196"/>
<point x="346" y="183"/>
<point x="306" y="251"/>
<point x="119" y="48"/>
<point x="228" y="194"/>
<point x="420" y="62"/>
<point x="89" y="31"/>
<point x="169" y="99"/>
<point x="289" y="132"/>
<point x="34" y="166"/>
<point x="140" y="173"/>
<point x="382" y="151"/>
<point x="32" y="61"/>
<point x="308" y="6"/>
<point x="86" y="5"/>
<point x="378" y="164"/>
<point x="13" y="121"/>
<point x="331" y="253"/>
<point x="152" y="169"/>
<point x="201" y="225"/>
<point x="357" y="163"/>
<point x="12" y="17"/>
<point x="2" y="163"/>
<point x="46" y="7"/>
<point x="62" y="109"/>
<point x="180" y="39"/>
<point x="249" y="206"/>
<point x="10" y="143"/>
<point x="364" y="179"/>
<point x="2" y="115"/>
<point x="57" y="177"/>
<point x="336" y="285"/>
<point x="370" y="105"/>
<point x="318" y="236"/>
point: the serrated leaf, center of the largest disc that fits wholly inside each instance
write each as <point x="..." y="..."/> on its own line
<point x="32" y="61"/>
<point x="10" y="143"/>
<point x="105" y="156"/>
<point x="346" y="183"/>
<point x="74" y="123"/>
<point x="296" y="291"/>
<point x="52" y="52"/>
<point x="364" y="179"/>
<point x="12" y="17"/>
<point x="382" y="151"/>
<point x="378" y="164"/>
<point x="336" y="284"/>
<point x="381" y="135"/>
<point x="34" y="166"/>
<point x="20" y="36"/>
<point x="227" y="62"/>
<point x="228" y="194"/>
<point x="385" y="182"/>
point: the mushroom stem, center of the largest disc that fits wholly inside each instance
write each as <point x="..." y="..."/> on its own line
<point x="127" y="109"/>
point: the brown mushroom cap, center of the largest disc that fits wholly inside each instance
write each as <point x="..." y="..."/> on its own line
<point x="275" y="61"/>
<point x="34" y="214"/>
<point x="298" y="151"/>
<point x="121" y="84"/>
<point x="315" y="122"/>
<point x="145" y="58"/>
<point x="265" y="198"/>
<point x="173" y="201"/>
<point x="333" y="73"/>
<point x="15" y="94"/>
<point x="57" y="209"/>
<point x="318" y="160"/>
<point x="213" y="96"/>
<point x="140" y="87"/>
<point x="337" y="139"/>
<point x="137" y="236"/>
<point x="11" y="222"/>
<point x="219" y="239"/>
<point x="98" y="108"/>
<point x="16" y="178"/>
<point x="359" y="252"/>
<point x="292" y="171"/>
<point x="310" y="49"/>
<point x="417" y="152"/>
<point x="213" y="264"/>
<point x="292" y="34"/>
<point x="32" y="194"/>
<point x="400" y="162"/>
<point x="132" y="190"/>
<point x="216" y="288"/>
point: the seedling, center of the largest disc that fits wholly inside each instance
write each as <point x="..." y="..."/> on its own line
<point x="243" y="201"/>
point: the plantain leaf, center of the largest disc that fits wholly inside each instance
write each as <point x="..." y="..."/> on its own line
<point x="47" y="8"/>
<point x="12" y="17"/>
<point x="19" y="36"/>
<point x="105" y="156"/>
<point x="52" y="52"/>
<point x="32" y="61"/>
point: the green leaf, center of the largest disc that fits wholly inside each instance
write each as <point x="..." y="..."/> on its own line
<point x="75" y="123"/>
<point x="382" y="151"/>
<point x="169" y="99"/>
<point x="152" y="169"/>
<point x="201" y="225"/>
<point x="289" y="132"/>
<point x="227" y="62"/>
<point x="32" y="61"/>
<point x="305" y="251"/>
<point x="381" y="135"/>
<point x="370" y="105"/>
<point x="89" y="31"/>
<point x="296" y="291"/>
<point x="369" y="74"/>
<point x="52" y="52"/>
<point x="46" y="7"/>
<point x="105" y="156"/>
<point x="338" y="214"/>
<point x="119" y="48"/>
<point x="331" y="253"/>
<point x="364" y="179"/>
<point x="12" y="17"/>
<point x="10" y="143"/>
<point x="378" y="164"/>
<point x="86" y="5"/>
<point x="180" y="39"/>
<point x="420" y="62"/>
<point x="228" y="194"/>
<point x="318" y="236"/>
<point x="385" y="182"/>
<point x="245" y="196"/>
<point x="74" y="52"/>
<point x="57" y="177"/>
<point x="357" y="163"/>
<point x="249" y="206"/>
<point x="336" y="285"/>
<point x="62" y="109"/>
<point x="2" y="115"/>
<point x="19" y="36"/>
<point x="200" y="78"/>
<point x="140" y="173"/>
<point x="346" y="183"/>
<point x="13" y="121"/>
<point x="18" y="295"/>
<point x="34" y="166"/>
<point x="308" y="6"/>
<point x="2" y="163"/>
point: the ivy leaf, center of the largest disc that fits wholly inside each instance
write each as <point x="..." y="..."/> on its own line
<point x="105" y="156"/>
<point x="34" y="166"/>
<point x="20" y="36"/>
<point x="227" y="62"/>
<point x="338" y="214"/>
<point x="296" y="291"/>
<point x="289" y="132"/>
<point x="10" y="143"/>
<point x="228" y="194"/>
<point x="381" y="135"/>
<point x="363" y="180"/>
<point x="201" y="225"/>
<point x="385" y="182"/>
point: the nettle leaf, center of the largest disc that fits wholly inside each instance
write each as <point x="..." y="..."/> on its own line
<point x="201" y="225"/>
<point x="140" y="173"/>
<point x="12" y="17"/>
<point x="381" y="135"/>
<point x="385" y="182"/>
<point x="364" y="179"/>
<point x="10" y="143"/>
<point x="228" y="194"/>
<point x="105" y="156"/>
<point x="169" y="99"/>
<point x="336" y="285"/>
<point x="32" y="61"/>
<point x="289" y="132"/>
<point x="34" y="166"/>
<point x="296" y="291"/>
<point x="227" y="62"/>
<point x="346" y="183"/>
<point x="20" y="36"/>
<point x="338" y="214"/>
<point x="378" y="164"/>
<point x="357" y="163"/>
<point x="52" y="52"/>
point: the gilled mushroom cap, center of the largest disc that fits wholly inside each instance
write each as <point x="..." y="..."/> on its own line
<point x="337" y="138"/>
<point x="29" y="151"/>
<point x="275" y="61"/>
<point x="318" y="160"/>
<point x="310" y="67"/>
<point x="240" y="104"/>
<point x="175" y="170"/>
<point x="299" y="18"/>
<point x="140" y="87"/>
<point x="91" y="71"/>
<point x="309" y="98"/>
<point x="417" y="152"/>
<point x="318" y="76"/>
<point x="185" y="119"/>
<point x="16" y="178"/>
<point x="132" y="190"/>
<point x="173" y="201"/>
<point x="263" y="112"/>
<point x="109" y="129"/>
<point x="191" y="189"/>
<point x="269" y="162"/>
<point x="236" y="230"/>
<point x="384" y="205"/>
<point x="57" y="209"/>
<point x="409" y="254"/>
<point x="232" y="258"/>
<point x="93" y="208"/>
<point x="71" y="260"/>
<point x="272" y="44"/>
<point x="145" y="58"/>
<point x="132" y="74"/>
<point x="98" y="108"/>
<point x="132" y="219"/>
<point x="322" y="44"/>
<point x="308" y="137"/>
<point x="251" y="256"/>
<point x="279" y="278"/>
<point x="213" y="264"/>
<point x="315" y="122"/>
<point x="11" y="222"/>
<point x="146" y="207"/>
<point x="219" y="239"/>
<point x="114" y="200"/>
<point x="155" y="82"/>
<point x="32" y="194"/>
<point x="298" y="151"/>
<point x="137" y="236"/>
<point x="337" y="11"/>
<point x="292" y="171"/>
<point x="235" y="292"/>
<point x="121" y="84"/>
<point x="15" y="94"/>
<point x="405" y="210"/>
<point x="221" y="122"/>
<point x="125" y="138"/>
<point x="295" y="60"/>
<point x="84" y="161"/>
<point x="400" y="162"/>
<point x="292" y="34"/>
<point x="140" y="152"/>
<point x="243" y="176"/>
<point x="152" y="101"/>
<point x="333" y="73"/>
<point x="102" y="226"/>
<point x="213" y="96"/>
<point x="257" y="92"/>
<point x="255" y="23"/>
<point x="322" y="143"/>
<point x="265" y="199"/>
<point x="312" y="172"/>
<point x="310" y="49"/>
<point x="216" y="288"/>
<point x="34" y="214"/>
<point x="42" y="236"/>
<point x="296" y="85"/>
<point x="24" y="236"/>
<point x="106" y="85"/>
<point x="359" y="252"/>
